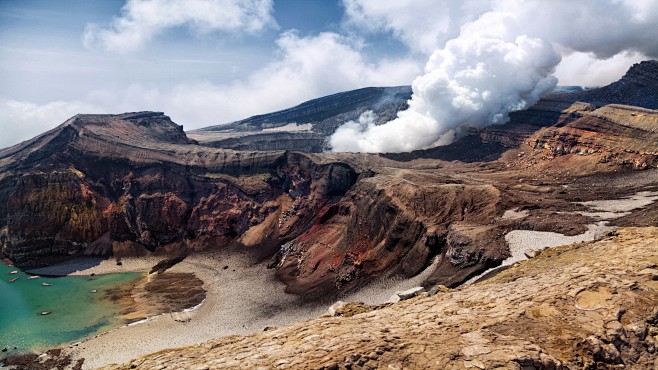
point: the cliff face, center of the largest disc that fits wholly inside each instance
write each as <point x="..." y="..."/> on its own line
<point x="584" y="306"/>
<point x="127" y="183"/>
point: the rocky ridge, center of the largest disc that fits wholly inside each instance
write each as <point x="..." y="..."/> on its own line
<point x="306" y="126"/>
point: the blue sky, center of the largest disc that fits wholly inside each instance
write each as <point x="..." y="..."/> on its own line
<point x="208" y="62"/>
<point x="41" y="45"/>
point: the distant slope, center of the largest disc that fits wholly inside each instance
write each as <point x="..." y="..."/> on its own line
<point x="319" y="117"/>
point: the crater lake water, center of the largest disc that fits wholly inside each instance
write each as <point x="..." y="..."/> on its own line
<point x="75" y="311"/>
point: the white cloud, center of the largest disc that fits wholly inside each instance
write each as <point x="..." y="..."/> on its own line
<point x="423" y="25"/>
<point x="305" y="68"/>
<point x="22" y="120"/>
<point x="584" y="69"/>
<point x="144" y="19"/>
<point x="602" y="27"/>
<point x="598" y="39"/>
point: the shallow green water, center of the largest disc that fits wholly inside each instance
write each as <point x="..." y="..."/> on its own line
<point x="76" y="312"/>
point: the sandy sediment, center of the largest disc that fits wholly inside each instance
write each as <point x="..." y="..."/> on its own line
<point x="242" y="298"/>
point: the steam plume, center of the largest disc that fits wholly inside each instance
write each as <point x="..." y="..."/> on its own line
<point x="501" y="62"/>
<point x="472" y="82"/>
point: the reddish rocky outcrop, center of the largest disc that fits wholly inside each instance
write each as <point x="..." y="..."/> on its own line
<point x="389" y="223"/>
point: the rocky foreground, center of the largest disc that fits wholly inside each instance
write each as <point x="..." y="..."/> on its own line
<point x="582" y="306"/>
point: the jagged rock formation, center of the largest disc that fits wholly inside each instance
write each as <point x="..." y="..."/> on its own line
<point x="584" y="306"/>
<point x="131" y="183"/>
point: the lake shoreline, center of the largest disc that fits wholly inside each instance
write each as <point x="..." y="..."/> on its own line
<point x="45" y="312"/>
<point x="242" y="297"/>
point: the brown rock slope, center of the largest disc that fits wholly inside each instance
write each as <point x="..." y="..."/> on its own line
<point x="583" y="306"/>
<point x="611" y="134"/>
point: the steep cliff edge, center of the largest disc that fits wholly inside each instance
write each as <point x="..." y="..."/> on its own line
<point x="125" y="184"/>
<point x="583" y="306"/>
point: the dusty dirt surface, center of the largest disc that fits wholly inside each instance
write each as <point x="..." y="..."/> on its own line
<point x="586" y="305"/>
<point x="160" y="293"/>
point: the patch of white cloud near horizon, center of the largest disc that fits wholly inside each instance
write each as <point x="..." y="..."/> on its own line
<point x="305" y="68"/>
<point x="141" y="20"/>
<point x="584" y="69"/>
<point x="423" y="25"/>
<point x="21" y="120"/>
<point x="499" y="62"/>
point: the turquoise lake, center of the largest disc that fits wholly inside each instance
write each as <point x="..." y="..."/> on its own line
<point x="75" y="311"/>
